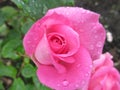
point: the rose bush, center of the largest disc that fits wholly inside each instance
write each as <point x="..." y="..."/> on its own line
<point x="63" y="45"/>
<point x="104" y="75"/>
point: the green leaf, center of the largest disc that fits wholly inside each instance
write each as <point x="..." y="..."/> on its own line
<point x="70" y="2"/>
<point x="38" y="84"/>
<point x="8" y="50"/>
<point x="8" y="11"/>
<point x="37" y="8"/>
<point x="2" y="18"/>
<point x="19" y="3"/>
<point x="12" y="35"/>
<point x="3" y="30"/>
<point x="18" y="84"/>
<point x="26" y="26"/>
<point x="1" y="86"/>
<point x="26" y="60"/>
<point x="9" y="71"/>
<point x="31" y="87"/>
<point x="20" y="49"/>
<point x="28" y="71"/>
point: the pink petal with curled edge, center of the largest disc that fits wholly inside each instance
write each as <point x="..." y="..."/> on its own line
<point x="71" y="37"/>
<point x="116" y="86"/>
<point x="32" y="38"/>
<point x="67" y="59"/>
<point x="43" y="55"/>
<point x="106" y="76"/>
<point x="104" y="60"/>
<point x="86" y="23"/>
<point x="42" y="52"/>
<point x="35" y="34"/>
<point x="76" y="77"/>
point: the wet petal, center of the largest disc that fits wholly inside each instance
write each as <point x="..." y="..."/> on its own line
<point x="86" y="23"/>
<point x="38" y="29"/>
<point x="104" y="60"/>
<point x="32" y="38"/>
<point x="71" y="37"/>
<point x="76" y="76"/>
<point x="42" y="52"/>
<point x="105" y="78"/>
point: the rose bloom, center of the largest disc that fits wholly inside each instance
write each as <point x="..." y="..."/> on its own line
<point x="104" y="76"/>
<point x="63" y="44"/>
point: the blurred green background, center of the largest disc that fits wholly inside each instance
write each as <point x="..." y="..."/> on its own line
<point x="17" y="71"/>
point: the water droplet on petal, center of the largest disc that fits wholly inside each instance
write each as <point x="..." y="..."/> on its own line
<point x="58" y="85"/>
<point x="83" y="82"/>
<point x="90" y="66"/>
<point x="98" y="52"/>
<point x="83" y="11"/>
<point x="76" y="85"/>
<point x="67" y="13"/>
<point x="96" y="36"/>
<point x="87" y="11"/>
<point x="91" y="47"/>
<point x="99" y="44"/>
<point x="33" y="1"/>
<point x="86" y="74"/>
<point x="65" y="83"/>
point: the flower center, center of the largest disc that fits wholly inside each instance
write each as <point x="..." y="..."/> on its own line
<point x="57" y="43"/>
<point x="57" y="40"/>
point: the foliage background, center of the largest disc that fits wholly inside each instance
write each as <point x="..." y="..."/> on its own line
<point x="17" y="72"/>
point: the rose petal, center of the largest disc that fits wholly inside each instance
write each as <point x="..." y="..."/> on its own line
<point x="67" y="59"/>
<point x="116" y="86"/>
<point x="32" y="38"/>
<point x="43" y="53"/>
<point x="106" y="76"/>
<point x="86" y="23"/>
<point x="104" y="60"/>
<point x="76" y="76"/>
<point x="35" y="34"/>
<point x="71" y="37"/>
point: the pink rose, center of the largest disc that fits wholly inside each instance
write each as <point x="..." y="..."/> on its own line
<point x="104" y="76"/>
<point x="63" y="44"/>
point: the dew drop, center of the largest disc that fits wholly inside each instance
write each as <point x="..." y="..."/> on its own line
<point x="91" y="47"/>
<point x="76" y="85"/>
<point x="83" y="82"/>
<point x="83" y="11"/>
<point x="58" y="85"/>
<point x="90" y="66"/>
<point x="65" y="83"/>
<point x="86" y="74"/>
<point x="96" y="36"/>
<point x="99" y="44"/>
<point x="98" y="52"/>
<point x="22" y="3"/>
<point x="33" y="1"/>
<point x="87" y="11"/>
<point x="67" y="13"/>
